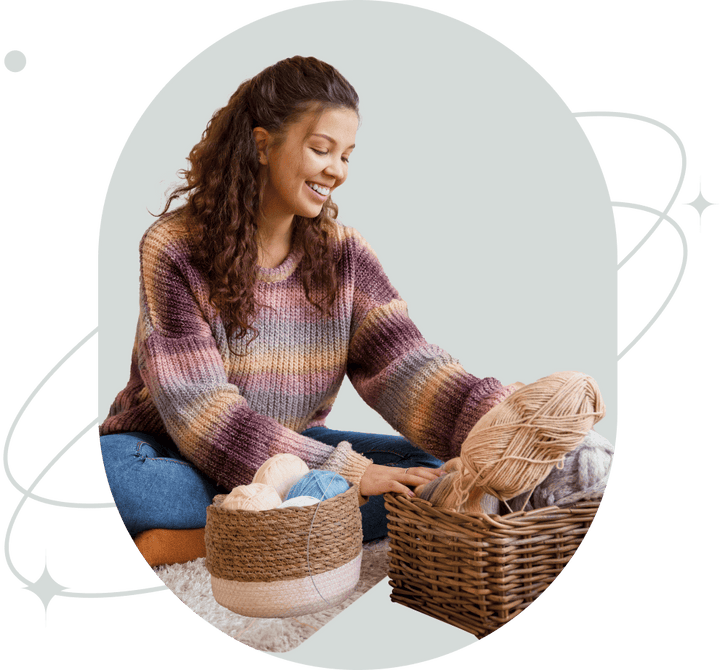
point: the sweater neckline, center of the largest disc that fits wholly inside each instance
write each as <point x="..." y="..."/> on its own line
<point x="282" y="271"/>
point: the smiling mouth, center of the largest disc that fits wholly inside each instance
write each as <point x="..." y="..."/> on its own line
<point x="323" y="191"/>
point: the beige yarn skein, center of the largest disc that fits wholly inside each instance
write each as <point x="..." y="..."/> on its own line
<point x="281" y="472"/>
<point x="441" y="493"/>
<point x="252" y="497"/>
<point x="517" y="443"/>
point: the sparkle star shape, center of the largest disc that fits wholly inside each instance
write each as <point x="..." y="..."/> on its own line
<point x="700" y="204"/>
<point x="46" y="588"/>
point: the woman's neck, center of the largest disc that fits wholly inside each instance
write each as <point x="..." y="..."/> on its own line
<point x="274" y="241"/>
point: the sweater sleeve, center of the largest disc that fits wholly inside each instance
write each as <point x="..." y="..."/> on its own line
<point x="183" y="371"/>
<point x="419" y="389"/>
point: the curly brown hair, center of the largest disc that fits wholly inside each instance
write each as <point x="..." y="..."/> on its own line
<point x="223" y="189"/>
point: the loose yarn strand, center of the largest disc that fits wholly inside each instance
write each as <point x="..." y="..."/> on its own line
<point x="312" y="521"/>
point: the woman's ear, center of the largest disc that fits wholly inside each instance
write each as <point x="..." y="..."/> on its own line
<point x="262" y="141"/>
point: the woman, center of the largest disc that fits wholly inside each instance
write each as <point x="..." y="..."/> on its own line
<point x="255" y="302"/>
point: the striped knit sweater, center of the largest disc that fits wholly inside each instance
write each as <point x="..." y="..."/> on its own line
<point x="228" y="414"/>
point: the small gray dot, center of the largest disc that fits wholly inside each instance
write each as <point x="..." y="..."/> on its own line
<point x="15" y="61"/>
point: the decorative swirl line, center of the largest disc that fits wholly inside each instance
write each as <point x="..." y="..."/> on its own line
<point x="662" y="216"/>
<point x="6" y="453"/>
<point x="683" y="163"/>
<point x="29" y="495"/>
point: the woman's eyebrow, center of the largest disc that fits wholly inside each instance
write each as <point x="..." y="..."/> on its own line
<point x="329" y="139"/>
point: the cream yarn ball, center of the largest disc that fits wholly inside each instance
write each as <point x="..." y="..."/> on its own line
<point x="300" y="501"/>
<point x="252" y="497"/>
<point x="281" y="472"/>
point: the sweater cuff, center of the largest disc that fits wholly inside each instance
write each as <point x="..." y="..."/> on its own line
<point x="494" y="399"/>
<point x="488" y="393"/>
<point x="349" y="464"/>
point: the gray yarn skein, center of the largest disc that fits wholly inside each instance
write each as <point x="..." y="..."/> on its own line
<point x="583" y="476"/>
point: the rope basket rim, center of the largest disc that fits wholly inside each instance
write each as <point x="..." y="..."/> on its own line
<point x="280" y="511"/>
<point x="508" y="521"/>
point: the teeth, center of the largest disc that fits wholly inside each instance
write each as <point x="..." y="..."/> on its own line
<point x="322" y="190"/>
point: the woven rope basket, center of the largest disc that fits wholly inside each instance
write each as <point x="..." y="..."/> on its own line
<point x="477" y="572"/>
<point x="284" y="562"/>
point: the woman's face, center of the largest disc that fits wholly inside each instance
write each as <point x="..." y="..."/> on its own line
<point x="308" y="165"/>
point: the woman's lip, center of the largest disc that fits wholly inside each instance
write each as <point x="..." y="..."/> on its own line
<point x="322" y="198"/>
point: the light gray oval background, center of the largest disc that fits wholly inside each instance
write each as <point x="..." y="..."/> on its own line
<point x="472" y="181"/>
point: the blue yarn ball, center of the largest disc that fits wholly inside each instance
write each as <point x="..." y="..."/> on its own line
<point x="320" y="484"/>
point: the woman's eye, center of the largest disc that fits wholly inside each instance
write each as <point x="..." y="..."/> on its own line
<point x="320" y="152"/>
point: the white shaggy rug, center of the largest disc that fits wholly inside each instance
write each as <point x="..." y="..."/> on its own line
<point x="191" y="583"/>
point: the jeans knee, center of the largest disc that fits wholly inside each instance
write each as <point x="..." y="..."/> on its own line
<point x="151" y="489"/>
<point x="121" y="449"/>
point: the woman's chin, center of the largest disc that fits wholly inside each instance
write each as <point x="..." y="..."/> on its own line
<point x="309" y="212"/>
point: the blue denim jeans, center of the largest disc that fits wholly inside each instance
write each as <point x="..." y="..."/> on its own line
<point x="155" y="487"/>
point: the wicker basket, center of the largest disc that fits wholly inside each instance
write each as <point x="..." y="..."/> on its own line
<point x="284" y="562"/>
<point x="477" y="572"/>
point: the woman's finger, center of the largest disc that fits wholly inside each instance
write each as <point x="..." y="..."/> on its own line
<point x="412" y="480"/>
<point x="397" y="487"/>
<point x="415" y="477"/>
<point x="425" y="472"/>
<point x="432" y="471"/>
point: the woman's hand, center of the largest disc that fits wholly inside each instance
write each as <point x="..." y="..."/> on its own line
<point x="380" y="479"/>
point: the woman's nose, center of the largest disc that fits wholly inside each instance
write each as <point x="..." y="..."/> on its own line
<point x="336" y="168"/>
